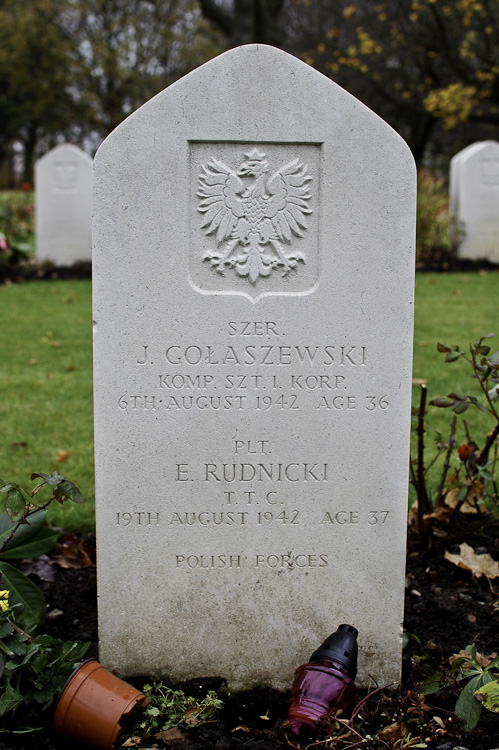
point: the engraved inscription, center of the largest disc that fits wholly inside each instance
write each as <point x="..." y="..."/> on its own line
<point x="489" y="169"/>
<point x="65" y="176"/>
<point x="253" y="214"/>
<point x="221" y="377"/>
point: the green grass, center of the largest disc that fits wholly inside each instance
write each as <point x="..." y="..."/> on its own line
<point x="46" y="389"/>
<point x="458" y="309"/>
<point x="454" y="308"/>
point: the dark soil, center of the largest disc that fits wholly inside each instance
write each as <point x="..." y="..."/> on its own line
<point x="31" y="270"/>
<point x="446" y="609"/>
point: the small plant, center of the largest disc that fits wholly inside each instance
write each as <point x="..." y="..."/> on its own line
<point x="23" y="534"/>
<point x="473" y="480"/>
<point x="33" y="668"/>
<point x="16" y="226"/>
<point x="434" y="224"/>
<point x="482" y="687"/>
<point x="477" y="470"/>
<point x="169" y="708"/>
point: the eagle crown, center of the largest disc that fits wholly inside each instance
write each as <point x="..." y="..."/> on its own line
<point x="255" y="165"/>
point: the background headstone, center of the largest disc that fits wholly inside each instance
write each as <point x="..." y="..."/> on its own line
<point x="253" y="285"/>
<point x="63" y="206"/>
<point x="474" y="200"/>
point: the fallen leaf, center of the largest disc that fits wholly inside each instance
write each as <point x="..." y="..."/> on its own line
<point x="483" y="660"/>
<point x="478" y="565"/>
<point x="33" y="362"/>
<point x="393" y="732"/>
<point x="468" y="506"/>
<point x="173" y="735"/>
<point x="53" y="614"/>
<point x="62" y="456"/>
<point x="41" y="566"/>
<point x="55" y="344"/>
<point x="191" y="716"/>
<point x="73" y="553"/>
<point x="439" y="721"/>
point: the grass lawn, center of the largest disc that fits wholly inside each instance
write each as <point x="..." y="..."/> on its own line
<point x="46" y="389"/>
<point x="453" y="308"/>
<point x="46" y="373"/>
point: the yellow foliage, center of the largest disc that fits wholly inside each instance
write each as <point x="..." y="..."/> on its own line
<point x="349" y="11"/>
<point x="368" y="45"/>
<point x="454" y="103"/>
<point x="321" y="48"/>
<point x="332" y="33"/>
<point x="485" y="76"/>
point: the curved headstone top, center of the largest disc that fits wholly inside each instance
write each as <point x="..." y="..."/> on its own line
<point x="63" y="206"/>
<point x="474" y="200"/>
<point x="254" y="231"/>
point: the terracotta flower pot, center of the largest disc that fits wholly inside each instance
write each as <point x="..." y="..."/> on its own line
<point x="92" y="705"/>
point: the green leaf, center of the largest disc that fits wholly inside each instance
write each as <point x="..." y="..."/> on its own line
<point x="23" y="591"/>
<point x="461" y="495"/>
<point x="483" y="350"/>
<point x="24" y="532"/>
<point x="66" y="490"/>
<point x="4" y="648"/>
<point x="467" y="706"/>
<point x="456" y="663"/>
<point x="493" y="664"/>
<point x="18" y="644"/>
<point x="443" y="347"/>
<point x="460" y="407"/>
<point x="452" y="356"/>
<point x="10" y="700"/>
<point x="486" y="474"/>
<point x="471" y="649"/>
<point x="16" y="499"/>
<point x="433" y="684"/>
<point x="488" y="695"/>
<point x="38" y="544"/>
<point x="39" y="475"/>
<point x="442" y="401"/>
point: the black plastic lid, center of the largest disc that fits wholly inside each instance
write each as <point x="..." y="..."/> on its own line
<point x="340" y="647"/>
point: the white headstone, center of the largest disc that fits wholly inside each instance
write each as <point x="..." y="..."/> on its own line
<point x="474" y="200"/>
<point x="253" y="284"/>
<point x="63" y="206"/>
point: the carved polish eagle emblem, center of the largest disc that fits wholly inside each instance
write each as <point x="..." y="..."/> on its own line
<point x="254" y="215"/>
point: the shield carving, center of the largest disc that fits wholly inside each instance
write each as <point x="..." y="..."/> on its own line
<point x="254" y="221"/>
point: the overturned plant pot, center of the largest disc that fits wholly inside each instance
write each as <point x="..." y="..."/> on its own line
<point x="92" y="705"/>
